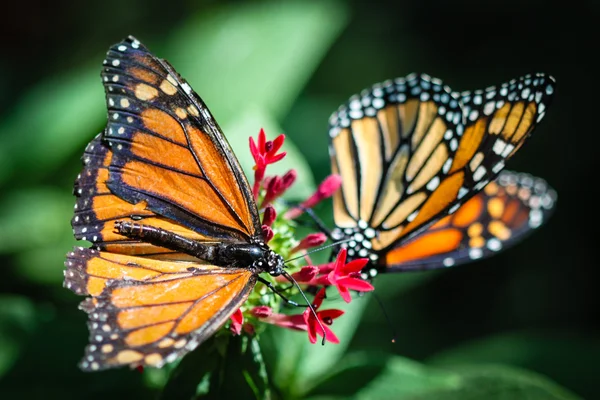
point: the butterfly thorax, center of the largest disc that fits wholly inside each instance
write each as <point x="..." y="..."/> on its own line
<point x="357" y="240"/>
<point x="257" y="256"/>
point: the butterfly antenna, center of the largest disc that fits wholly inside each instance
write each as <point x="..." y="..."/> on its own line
<point x="318" y="222"/>
<point x="312" y="308"/>
<point x="319" y="249"/>
<point x="387" y="318"/>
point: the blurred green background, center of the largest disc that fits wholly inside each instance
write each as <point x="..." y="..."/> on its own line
<point x="523" y="324"/>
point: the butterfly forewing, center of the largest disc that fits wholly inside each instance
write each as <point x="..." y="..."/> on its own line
<point x="165" y="142"/>
<point x="97" y="209"/>
<point x="411" y="151"/>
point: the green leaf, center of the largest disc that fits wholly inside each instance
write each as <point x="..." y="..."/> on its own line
<point x="34" y="224"/>
<point x="410" y="380"/>
<point x="67" y="111"/>
<point x="567" y="358"/>
<point x="238" y="56"/>
<point x="254" y="369"/>
<point x="502" y="382"/>
<point x="351" y="374"/>
<point x="222" y="367"/>
<point x="259" y="54"/>
<point x="404" y="378"/>
<point x="295" y="363"/>
<point x="193" y="370"/>
<point x="249" y="124"/>
<point x="33" y="218"/>
<point x="17" y="321"/>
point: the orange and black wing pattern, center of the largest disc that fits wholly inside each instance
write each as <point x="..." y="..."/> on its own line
<point x="411" y="151"/>
<point x="150" y="312"/>
<point x="167" y="150"/>
<point x="498" y="217"/>
<point x="161" y="162"/>
<point x="97" y="209"/>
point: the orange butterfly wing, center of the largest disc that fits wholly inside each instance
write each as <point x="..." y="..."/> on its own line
<point x="411" y="151"/>
<point x="97" y="209"/>
<point x="162" y="162"/>
<point x="168" y="153"/>
<point x="150" y="312"/>
<point x="498" y="217"/>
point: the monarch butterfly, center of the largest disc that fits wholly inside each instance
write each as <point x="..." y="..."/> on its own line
<point x="177" y="239"/>
<point x="414" y="157"/>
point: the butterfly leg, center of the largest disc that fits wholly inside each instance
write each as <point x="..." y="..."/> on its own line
<point x="278" y="293"/>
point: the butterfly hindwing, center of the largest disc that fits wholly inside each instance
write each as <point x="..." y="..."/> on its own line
<point x="499" y="216"/>
<point x="149" y="312"/>
<point x="165" y="142"/>
<point x="411" y="151"/>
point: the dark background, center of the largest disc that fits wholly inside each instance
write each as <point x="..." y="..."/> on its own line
<point x="534" y="306"/>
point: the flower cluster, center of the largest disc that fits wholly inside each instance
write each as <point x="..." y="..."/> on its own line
<point x="278" y="230"/>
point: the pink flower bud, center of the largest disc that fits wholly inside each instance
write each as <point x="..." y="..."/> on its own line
<point x="237" y="319"/>
<point x="262" y="311"/>
<point x="267" y="233"/>
<point x="306" y="274"/>
<point x="269" y="216"/>
<point x="311" y="240"/>
<point x="325" y="190"/>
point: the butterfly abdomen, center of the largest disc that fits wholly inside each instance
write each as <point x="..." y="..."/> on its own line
<point x="236" y="255"/>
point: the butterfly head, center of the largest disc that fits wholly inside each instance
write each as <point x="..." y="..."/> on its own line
<point x="264" y="259"/>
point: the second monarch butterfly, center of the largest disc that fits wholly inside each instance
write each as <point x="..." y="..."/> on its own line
<point x="414" y="157"/>
<point x="176" y="234"/>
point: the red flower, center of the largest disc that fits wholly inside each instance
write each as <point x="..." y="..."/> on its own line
<point x="267" y="233"/>
<point x="325" y="190"/>
<point x="276" y="186"/>
<point x="237" y="320"/>
<point x="307" y="320"/>
<point x="326" y="317"/>
<point x="262" y="311"/>
<point x="264" y="153"/>
<point x="347" y="276"/>
<point x="295" y="322"/>
<point x="306" y="274"/>
<point x="269" y="216"/>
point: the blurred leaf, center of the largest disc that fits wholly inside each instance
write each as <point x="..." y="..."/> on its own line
<point x="393" y="284"/>
<point x="407" y="379"/>
<point x="156" y="378"/>
<point x="249" y="124"/>
<point x="404" y="378"/>
<point x="259" y="54"/>
<point x="34" y="224"/>
<point x="254" y="369"/>
<point x="191" y="371"/>
<point x="570" y="359"/>
<point x="295" y="363"/>
<point x="51" y="122"/>
<point x="17" y="320"/>
<point x="33" y="218"/>
<point x="351" y="373"/>
<point x="501" y="382"/>
<point x="221" y="367"/>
